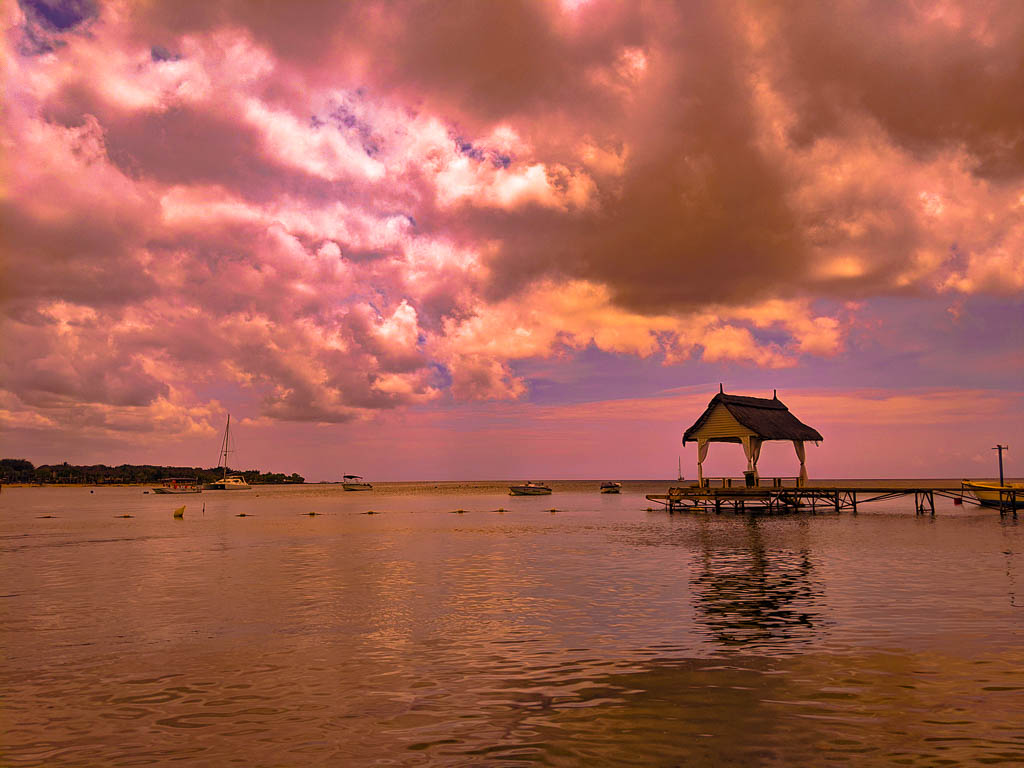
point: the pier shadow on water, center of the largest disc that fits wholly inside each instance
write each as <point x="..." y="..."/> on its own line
<point x="747" y="596"/>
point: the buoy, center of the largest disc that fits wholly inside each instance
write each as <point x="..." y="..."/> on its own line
<point x="241" y="514"/>
<point x="126" y="515"/>
<point x="370" y="512"/>
<point x="180" y="511"/>
<point x="552" y="511"/>
<point x="312" y="514"/>
<point x="458" y="511"/>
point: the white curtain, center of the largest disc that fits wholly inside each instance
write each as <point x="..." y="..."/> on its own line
<point x="702" y="453"/>
<point x="752" y="449"/>
<point x="802" y="455"/>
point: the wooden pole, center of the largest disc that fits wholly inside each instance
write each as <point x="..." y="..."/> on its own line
<point x="1001" y="448"/>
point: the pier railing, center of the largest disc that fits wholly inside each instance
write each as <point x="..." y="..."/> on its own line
<point x="760" y="482"/>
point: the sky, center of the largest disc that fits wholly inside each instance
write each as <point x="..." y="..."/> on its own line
<point x="487" y="240"/>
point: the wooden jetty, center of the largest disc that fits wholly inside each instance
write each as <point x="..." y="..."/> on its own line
<point x="778" y="498"/>
<point x="750" y="422"/>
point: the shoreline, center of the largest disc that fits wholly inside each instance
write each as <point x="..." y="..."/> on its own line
<point x="826" y="482"/>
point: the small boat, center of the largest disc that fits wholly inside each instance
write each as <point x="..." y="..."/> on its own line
<point x="529" y="488"/>
<point x="179" y="485"/>
<point x="354" y="483"/>
<point x="990" y="493"/>
<point x="611" y="487"/>
<point x="227" y="482"/>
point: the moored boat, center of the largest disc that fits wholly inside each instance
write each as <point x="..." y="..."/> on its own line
<point x="995" y="494"/>
<point x="179" y="485"/>
<point x="354" y="483"/>
<point x="529" y="488"/>
<point x="611" y="487"/>
<point x="228" y="482"/>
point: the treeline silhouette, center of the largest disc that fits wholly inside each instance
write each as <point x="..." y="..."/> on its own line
<point x="23" y="471"/>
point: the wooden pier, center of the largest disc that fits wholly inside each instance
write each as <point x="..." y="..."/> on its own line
<point x="799" y="498"/>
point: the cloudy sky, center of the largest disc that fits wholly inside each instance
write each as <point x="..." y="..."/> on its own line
<point x="462" y="239"/>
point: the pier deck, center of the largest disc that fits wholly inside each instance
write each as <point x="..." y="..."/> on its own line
<point x="811" y="498"/>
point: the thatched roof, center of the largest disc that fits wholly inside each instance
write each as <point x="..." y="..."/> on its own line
<point x="769" y="419"/>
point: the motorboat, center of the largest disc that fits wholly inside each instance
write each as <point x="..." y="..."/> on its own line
<point x="228" y="483"/>
<point x="354" y="483"/>
<point x="990" y="493"/>
<point x="529" y="488"/>
<point x="611" y="487"/>
<point x="179" y="485"/>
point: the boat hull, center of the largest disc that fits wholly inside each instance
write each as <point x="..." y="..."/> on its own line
<point x="611" y="487"/>
<point x="994" y="494"/>
<point x="521" y="490"/>
<point x="229" y="483"/>
<point x="356" y="487"/>
<point x="176" y="490"/>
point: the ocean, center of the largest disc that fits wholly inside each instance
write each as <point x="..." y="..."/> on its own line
<point x="564" y="630"/>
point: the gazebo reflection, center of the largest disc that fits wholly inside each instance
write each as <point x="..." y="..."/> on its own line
<point x="749" y="596"/>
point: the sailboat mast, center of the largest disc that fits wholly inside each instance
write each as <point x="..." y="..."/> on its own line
<point x="224" y="450"/>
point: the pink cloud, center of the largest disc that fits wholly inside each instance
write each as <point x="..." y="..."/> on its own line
<point x="346" y="210"/>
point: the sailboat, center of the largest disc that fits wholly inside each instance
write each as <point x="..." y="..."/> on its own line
<point x="227" y="482"/>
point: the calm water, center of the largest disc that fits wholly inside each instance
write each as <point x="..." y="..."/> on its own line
<point x="597" y="634"/>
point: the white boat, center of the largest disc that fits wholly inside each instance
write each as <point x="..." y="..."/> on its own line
<point x="179" y="485"/>
<point x="228" y="482"/>
<point x="989" y="493"/>
<point x="354" y="483"/>
<point x="529" y="488"/>
<point x="611" y="487"/>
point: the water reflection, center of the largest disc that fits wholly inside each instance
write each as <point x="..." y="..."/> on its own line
<point x="418" y="637"/>
<point x="749" y="596"/>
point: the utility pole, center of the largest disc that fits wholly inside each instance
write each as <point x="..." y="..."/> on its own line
<point x="1001" y="448"/>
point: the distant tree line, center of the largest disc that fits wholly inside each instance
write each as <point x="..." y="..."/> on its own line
<point x="22" y="471"/>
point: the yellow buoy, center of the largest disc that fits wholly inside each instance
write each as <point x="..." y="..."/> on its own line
<point x="179" y="512"/>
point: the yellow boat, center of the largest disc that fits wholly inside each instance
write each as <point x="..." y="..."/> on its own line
<point x="989" y="493"/>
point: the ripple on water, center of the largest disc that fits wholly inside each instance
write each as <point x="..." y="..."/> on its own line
<point x="595" y="636"/>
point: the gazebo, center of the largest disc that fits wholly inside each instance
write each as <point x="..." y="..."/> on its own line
<point x="748" y="421"/>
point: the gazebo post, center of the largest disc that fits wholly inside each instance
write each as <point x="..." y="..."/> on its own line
<point x="702" y="453"/>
